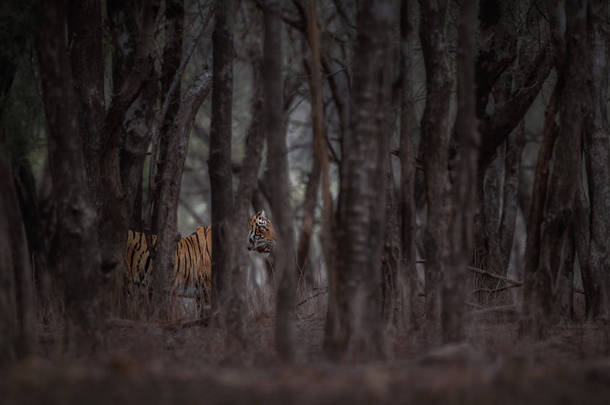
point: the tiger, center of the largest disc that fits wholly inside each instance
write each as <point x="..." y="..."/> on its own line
<point x="192" y="275"/>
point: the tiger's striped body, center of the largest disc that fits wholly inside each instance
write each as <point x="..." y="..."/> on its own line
<point x="192" y="272"/>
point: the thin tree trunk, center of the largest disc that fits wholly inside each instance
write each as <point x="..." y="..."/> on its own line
<point x="510" y="202"/>
<point x="310" y="201"/>
<point x="76" y="256"/>
<point x="407" y="164"/>
<point x="219" y="164"/>
<point x="277" y="175"/>
<point x="16" y="294"/>
<point x="435" y="136"/>
<point x="461" y="237"/>
<point x="534" y="280"/>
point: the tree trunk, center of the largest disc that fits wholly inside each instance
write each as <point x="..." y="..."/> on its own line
<point x="114" y="218"/>
<point x="597" y="155"/>
<point x="76" y="256"/>
<point x="219" y="164"/>
<point x="407" y="164"/>
<point x="310" y="201"/>
<point x="390" y="264"/>
<point x="138" y="133"/>
<point x="361" y="216"/>
<point x="16" y="295"/>
<point x="277" y="175"/>
<point x="435" y="133"/>
<point x="87" y="59"/>
<point x="566" y="170"/>
<point x="535" y="281"/>
<point x="165" y="216"/>
<point x="247" y="185"/>
<point x="510" y="203"/>
<point x="464" y="193"/>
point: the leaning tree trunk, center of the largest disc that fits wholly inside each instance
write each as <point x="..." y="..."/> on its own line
<point x="464" y="193"/>
<point x="361" y="219"/>
<point x="165" y="216"/>
<point x="277" y="175"/>
<point x="114" y="214"/>
<point x="572" y="55"/>
<point x="435" y="137"/>
<point x="219" y="164"/>
<point x="75" y="256"/>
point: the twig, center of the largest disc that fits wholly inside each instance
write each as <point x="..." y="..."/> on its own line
<point x="311" y="297"/>
<point x="495" y="290"/>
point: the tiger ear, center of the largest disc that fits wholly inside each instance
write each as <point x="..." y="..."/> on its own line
<point x="261" y="213"/>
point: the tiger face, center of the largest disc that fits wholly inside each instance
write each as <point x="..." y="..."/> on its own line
<point x="261" y="235"/>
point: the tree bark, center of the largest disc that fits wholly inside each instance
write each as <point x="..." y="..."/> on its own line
<point x="435" y="136"/>
<point x="114" y="219"/>
<point x="87" y="60"/>
<point x="597" y="155"/>
<point x="76" y="256"/>
<point x="407" y="165"/>
<point x="361" y="215"/>
<point x="574" y="71"/>
<point x="277" y="175"/>
<point x="535" y="281"/>
<point x="461" y="237"/>
<point x="219" y="164"/>
<point x="16" y="294"/>
<point x="248" y="178"/>
<point x="165" y="216"/>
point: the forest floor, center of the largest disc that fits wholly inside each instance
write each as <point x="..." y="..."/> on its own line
<point x="155" y="363"/>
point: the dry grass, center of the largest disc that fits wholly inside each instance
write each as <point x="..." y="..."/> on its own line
<point x="188" y="360"/>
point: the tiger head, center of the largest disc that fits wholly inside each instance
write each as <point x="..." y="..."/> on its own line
<point x="261" y="235"/>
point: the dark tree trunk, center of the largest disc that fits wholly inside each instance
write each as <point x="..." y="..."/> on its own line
<point x="129" y="80"/>
<point x="572" y="55"/>
<point x="277" y="175"/>
<point x="320" y="161"/>
<point x="361" y="215"/>
<point x="597" y="155"/>
<point x="138" y="129"/>
<point x="513" y="88"/>
<point x="172" y="55"/>
<point x="510" y="203"/>
<point x="247" y="185"/>
<point x="16" y="294"/>
<point x="535" y="281"/>
<point x="75" y="256"/>
<point x="435" y="136"/>
<point x="463" y="207"/>
<point x="221" y="180"/>
<point x="87" y="58"/>
<point x="390" y="264"/>
<point x="310" y="201"/>
<point x="407" y="165"/>
<point x="165" y="215"/>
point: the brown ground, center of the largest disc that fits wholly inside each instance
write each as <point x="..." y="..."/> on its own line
<point x="175" y="363"/>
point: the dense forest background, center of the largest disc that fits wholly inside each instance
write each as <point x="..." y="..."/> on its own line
<point x="437" y="173"/>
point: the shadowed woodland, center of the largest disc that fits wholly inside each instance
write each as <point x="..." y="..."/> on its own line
<point x="337" y="201"/>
